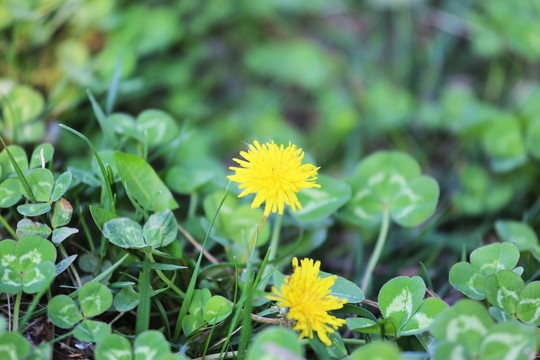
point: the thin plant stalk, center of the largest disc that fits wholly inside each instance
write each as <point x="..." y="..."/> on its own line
<point x="16" y="309"/>
<point x="8" y="228"/>
<point x="143" y="309"/>
<point x="383" y="234"/>
<point x="255" y="235"/>
<point x="166" y="280"/>
<point x="274" y="245"/>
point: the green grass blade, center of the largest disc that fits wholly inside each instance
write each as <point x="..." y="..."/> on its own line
<point x="19" y="173"/>
<point x="108" y="136"/>
<point x="101" y="166"/>
<point x="193" y="280"/>
<point x="113" y="90"/>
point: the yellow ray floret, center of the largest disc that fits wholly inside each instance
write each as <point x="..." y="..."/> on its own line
<point x="307" y="297"/>
<point x="275" y="174"/>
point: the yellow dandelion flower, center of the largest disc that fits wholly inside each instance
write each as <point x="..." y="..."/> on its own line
<point x="275" y="174"/>
<point x="307" y="297"/>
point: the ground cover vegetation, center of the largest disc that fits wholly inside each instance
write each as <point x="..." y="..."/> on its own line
<point x="280" y="179"/>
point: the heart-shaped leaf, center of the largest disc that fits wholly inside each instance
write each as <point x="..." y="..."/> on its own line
<point x="345" y="289"/>
<point x="190" y="323"/>
<point x="503" y="289"/>
<point x="124" y="232"/>
<point x="319" y="203"/>
<point x="390" y="180"/>
<point x="36" y="159"/>
<point x="27" y="227"/>
<point x="519" y="234"/>
<point x="467" y="279"/>
<point x="94" y="299"/>
<point x="91" y="331"/>
<point x="160" y="229"/>
<point x="20" y="157"/>
<point x="114" y="347"/>
<point x="61" y="186"/>
<point x="39" y="276"/>
<point x="34" y="209"/>
<point x="465" y="323"/>
<point x="63" y="312"/>
<point x="275" y="341"/>
<point x="10" y="192"/>
<point x="528" y="307"/>
<point x="61" y="213"/>
<point x="509" y="340"/>
<point x="13" y="346"/>
<point x="424" y="316"/>
<point x="41" y="183"/>
<point x="160" y="127"/>
<point x="150" y="345"/>
<point x="400" y="297"/>
<point x="492" y="258"/>
<point x="33" y="250"/>
<point x="126" y="299"/>
<point x="216" y="309"/>
<point x="61" y="234"/>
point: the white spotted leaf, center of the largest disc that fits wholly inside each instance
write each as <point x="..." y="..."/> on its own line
<point x="124" y="232"/>
<point x="10" y="192"/>
<point x="465" y="323"/>
<point x="41" y="183"/>
<point x="63" y="312"/>
<point x="114" y="347"/>
<point x="61" y="185"/>
<point x="503" y="289"/>
<point x="94" y="299"/>
<point x="33" y="250"/>
<point x="216" y="309"/>
<point x="150" y="345"/>
<point x="160" y="229"/>
<point x="422" y="319"/>
<point x="400" y="297"/>
<point x="34" y="209"/>
<point x="39" y="276"/>
<point x="273" y="342"/>
<point x="36" y="158"/>
<point x="492" y="258"/>
<point x="509" y="340"/>
<point x="13" y="346"/>
<point x="528" y="307"/>
<point x="468" y="280"/>
<point x="91" y="331"/>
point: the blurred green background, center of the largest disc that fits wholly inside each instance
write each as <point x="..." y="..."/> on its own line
<point x="452" y="83"/>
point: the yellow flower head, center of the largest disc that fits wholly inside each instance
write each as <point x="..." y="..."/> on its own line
<point x="275" y="174"/>
<point x="306" y="296"/>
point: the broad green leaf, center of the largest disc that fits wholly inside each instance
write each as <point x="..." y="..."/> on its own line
<point x="33" y="250"/>
<point x="62" y="233"/>
<point x="319" y="203"/>
<point x="416" y="202"/>
<point x="273" y="342"/>
<point x="11" y="281"/>
<point x="336" y="349"/>
<point x="393" y="180"/>
<point x="499" y="315"/>
<point x="10" y="192"/>
<point x="13" y="346"/>
<point x="198" y="300"/>
<point x="143" y="182"/>
<point x="34" y="209"/>
<point x="126" y="299"/>
<point x="380" y="350"/>
<point x="94" y="299"/>
<point x="83" y="176"/>
<point x="400" y="297"/>
<point x="41" y="183"/>
<point x="467" y="279"/>
<point x="22" y="104"/>
<point x="465" y="323"/>
<point x="502" y="290"/>
<point x="35" y="159"/>
<point x="39" y="276"/>
<point x="150" y="345"/>
<point x="358" y="324"/>
<point x="61" y="186"/>
<point x="519" y="234"/>
<point x="91" y="331"/>
<point x="61" y="213"/>
<point x="26" y="227"/>
<point x="528" y="307"/>
<point x="216" y="309"/>
<point x="190" y="323"/>
<point x="451" y="351"/>
<point x="344" y="289"/>
<point x="422" y="319"/>
<point x="20" y="157"/>
<point x="159" y="126"/>
<point x="88" y="262"/>
<point x="63" y="312"/>
<point x="190" y="177"/>
<point x="492" y="258"/>
<point x="114" y="347"/>
<point x="504" y="143"/>
<point x="160" y="229"/>
<point x="7" y="254"/>
<point x="509" y="340"/>
<point x="124" y="232"/>
<point x="101" y="216"/>
<point x="243" y="223"/>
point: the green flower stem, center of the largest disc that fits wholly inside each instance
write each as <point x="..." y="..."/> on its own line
<point x="85" y="226"/>
<point x="143" y="310"/>
<point x="383" y="233"/>
<point x="166" y="280"/>
<point x="16" y="309"/>
<point x="71" y="266"/>
<point x="274" y="245"/>
<point x="8" y="228"/>
<point x="255" y="235"/>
